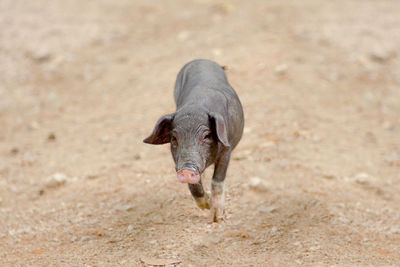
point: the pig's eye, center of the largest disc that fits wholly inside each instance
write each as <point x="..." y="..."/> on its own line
<point x="206" y="138"/>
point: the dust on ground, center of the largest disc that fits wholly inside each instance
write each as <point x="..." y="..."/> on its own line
<point x="314" y="181"/>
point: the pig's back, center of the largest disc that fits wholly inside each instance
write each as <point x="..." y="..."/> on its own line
<point x="197" y="74"/>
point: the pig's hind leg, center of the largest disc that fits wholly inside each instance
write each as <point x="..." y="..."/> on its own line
<point x="217" y="188"/>
<point x="200" y="196"/>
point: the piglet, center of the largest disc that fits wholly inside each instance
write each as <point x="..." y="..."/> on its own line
<point x="206" y="127"/>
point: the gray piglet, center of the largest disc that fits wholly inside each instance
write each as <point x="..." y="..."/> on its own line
<point x="206" y="127"/>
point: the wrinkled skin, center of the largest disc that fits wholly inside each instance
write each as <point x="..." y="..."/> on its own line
<point x="205" y="128"/>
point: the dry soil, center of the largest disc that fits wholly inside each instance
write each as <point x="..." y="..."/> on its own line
<point x="315" y="180"/>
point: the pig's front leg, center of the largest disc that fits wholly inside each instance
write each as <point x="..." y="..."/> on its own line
<point x="217" y="187"/>
<point x="200" y="196"/>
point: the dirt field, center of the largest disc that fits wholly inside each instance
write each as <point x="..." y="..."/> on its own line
<point x="315" y="180"/>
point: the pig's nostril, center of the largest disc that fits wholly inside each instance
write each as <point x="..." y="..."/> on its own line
<point x="193" y="177"/>
<point x="187" y="176"/>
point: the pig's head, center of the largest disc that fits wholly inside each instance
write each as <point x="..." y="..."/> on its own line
<point x="195" y="139"/>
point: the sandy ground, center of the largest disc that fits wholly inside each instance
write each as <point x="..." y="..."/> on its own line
<point x="315" y="180"/>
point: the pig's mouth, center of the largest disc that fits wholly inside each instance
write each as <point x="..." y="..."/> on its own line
<point x="188" y="176"/>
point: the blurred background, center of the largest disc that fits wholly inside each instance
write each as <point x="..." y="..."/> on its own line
<point x="314" y="181"/>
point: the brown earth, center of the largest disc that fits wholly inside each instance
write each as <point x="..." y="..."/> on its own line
<point x="315" y="180"/>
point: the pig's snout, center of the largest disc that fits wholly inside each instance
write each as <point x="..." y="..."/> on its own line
<point x="188" y="176"/>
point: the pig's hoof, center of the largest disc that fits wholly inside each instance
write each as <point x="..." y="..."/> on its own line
<point x="216" y="214"/>
<point x="217" y="208"/>
<point x="203" y="202"/>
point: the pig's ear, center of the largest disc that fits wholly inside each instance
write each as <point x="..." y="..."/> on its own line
<point x="160" y="134"/>
<point x="219" y="126"/>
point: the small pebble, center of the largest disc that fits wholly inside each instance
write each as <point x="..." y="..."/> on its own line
<point x="40" y="56"/>
<point x="85" y="238"/>
<point x="281" y="69"/>
<point x="51" y="137"/>
<point x="297" y="244"/>
<point x="92" y="176"/>
<point x="56" y="180"/>
<point x="247" y="130"/>
<point x="267" y="209"/>
<point x="14" y="151"/>
<point x="329" y="176"/>
<point x="380" y="55"/>
<point x="127" y="207"/>
<point x="362" y="178"/>
<point x="258" y="185"/>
